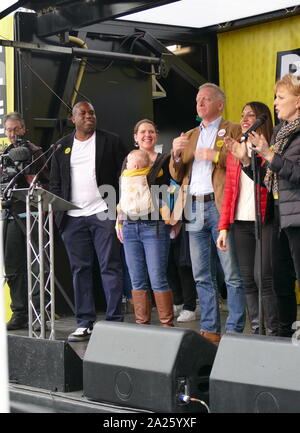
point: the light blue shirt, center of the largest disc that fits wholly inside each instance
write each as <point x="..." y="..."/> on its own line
<point x="201" y="180"/>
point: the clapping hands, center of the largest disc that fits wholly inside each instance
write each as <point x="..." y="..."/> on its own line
<point x="261" y="146"/>
<point x="239" y="150"/>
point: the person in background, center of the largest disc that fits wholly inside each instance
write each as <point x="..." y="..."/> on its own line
<point x="198" y="162"/>
<point x="281" y="176"/>
<point x="88" y="159"/>
<point x="180" y="276"/>
<point x="15" y="232"/>
<point x="146" y="240"/>
<point x="238" y="207"/>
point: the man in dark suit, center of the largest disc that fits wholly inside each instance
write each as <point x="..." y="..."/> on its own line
<point x="87" y="163"/>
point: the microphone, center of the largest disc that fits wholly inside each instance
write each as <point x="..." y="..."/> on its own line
<point x="14" y="179"/>
<point x="260" y="121"/>
<point x="19" y="154"/>
<point x="54" y="147"/>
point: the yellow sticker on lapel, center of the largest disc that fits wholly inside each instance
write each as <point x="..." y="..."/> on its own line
<point x="220" y="143"/>
<point x="67" y="150"/>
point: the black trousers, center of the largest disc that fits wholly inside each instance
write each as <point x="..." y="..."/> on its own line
<point x="285" y="269"/>
<point x="180" y="278"/>
<point x="247" y="248"/>
<point x="82" y="236"/>
<point x="252" y="269"/>
<point x="15" y="258"/>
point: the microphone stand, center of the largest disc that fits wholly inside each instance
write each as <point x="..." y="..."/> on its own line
<point x="40" y="223"/>
<point x="258" y="233"/>
<point x="33" y="183"/>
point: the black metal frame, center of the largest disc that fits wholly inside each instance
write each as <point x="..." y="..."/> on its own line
<point x="33" y="52"/>
<point x="62" y="15"/>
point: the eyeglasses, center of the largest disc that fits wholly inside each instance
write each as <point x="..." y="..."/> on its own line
<point x="16" y="130"/>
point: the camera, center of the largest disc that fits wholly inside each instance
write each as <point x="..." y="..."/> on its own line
<point x="21" y="141"/>
<point x="12" y="161"/>
<point x="7" y="169"/>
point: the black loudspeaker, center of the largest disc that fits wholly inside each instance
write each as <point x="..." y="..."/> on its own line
<point x="255" y="374"/>
<point x="47" y="364"/>
<point x="147" y="367"/>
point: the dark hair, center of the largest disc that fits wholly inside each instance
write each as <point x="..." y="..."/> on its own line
<point x="260" y="108"/>
<point x="138" y="124"/>
<point x="74" y="108"/>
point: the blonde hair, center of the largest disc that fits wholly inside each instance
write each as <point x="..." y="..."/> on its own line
<point x="291" y="82"/>
<point x="216" y="88"/>
<point x="142" y="157"/>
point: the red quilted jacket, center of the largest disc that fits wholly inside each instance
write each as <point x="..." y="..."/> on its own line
<point x="231" y="192"/>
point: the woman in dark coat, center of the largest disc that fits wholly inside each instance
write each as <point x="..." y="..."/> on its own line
<point x="281" y="175"/>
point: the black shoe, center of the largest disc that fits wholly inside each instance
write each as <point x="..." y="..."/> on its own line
<point x="17" y="323"/>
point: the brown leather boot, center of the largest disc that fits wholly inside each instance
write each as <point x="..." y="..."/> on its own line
<point x="164" y="305"/>
<point x="142" y="306"/>
<point x="211" y="336"/>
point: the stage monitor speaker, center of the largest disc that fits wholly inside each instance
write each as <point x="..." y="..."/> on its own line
<point x="255" y="374"/>
<point x="147" y="367"/>
<point x="47" y="364"/>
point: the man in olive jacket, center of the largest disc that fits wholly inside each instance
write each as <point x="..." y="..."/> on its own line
<point x="198" y="162"/>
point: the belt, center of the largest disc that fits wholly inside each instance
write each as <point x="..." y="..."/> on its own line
<point x="205" y="197"/>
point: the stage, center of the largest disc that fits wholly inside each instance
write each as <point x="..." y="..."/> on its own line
<point x="25" y="398"/>
<point x="31" y="399"/>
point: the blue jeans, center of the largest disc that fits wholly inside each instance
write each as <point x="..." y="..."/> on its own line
<point x="202" y="230"/>
<point x="146" y="246"/>
<point x="127" y="286"/>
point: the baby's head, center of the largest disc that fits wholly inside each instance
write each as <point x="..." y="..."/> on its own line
<point x="137" y="159"/>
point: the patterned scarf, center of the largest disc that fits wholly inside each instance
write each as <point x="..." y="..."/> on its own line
<point x="281" y="139"/>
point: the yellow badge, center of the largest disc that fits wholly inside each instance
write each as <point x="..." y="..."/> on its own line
<point x="67" y="150"/>
<point x="220" y="143"/>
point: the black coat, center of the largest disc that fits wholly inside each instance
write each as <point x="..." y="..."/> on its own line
<point x="109" y="156"/>
<point x="287" y="167"/>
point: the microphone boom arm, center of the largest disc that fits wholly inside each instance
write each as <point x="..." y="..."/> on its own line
<point x="34" y="180"/>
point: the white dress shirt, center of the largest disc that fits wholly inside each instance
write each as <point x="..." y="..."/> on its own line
<point x="201" y="180"/>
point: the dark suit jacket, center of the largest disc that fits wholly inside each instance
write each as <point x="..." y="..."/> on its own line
<point x="110" y="154"/>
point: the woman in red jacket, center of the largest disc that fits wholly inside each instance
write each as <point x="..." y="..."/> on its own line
<point x="238" y="207"/>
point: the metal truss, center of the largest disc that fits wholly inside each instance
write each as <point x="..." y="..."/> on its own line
<point x="40" y="269"/>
